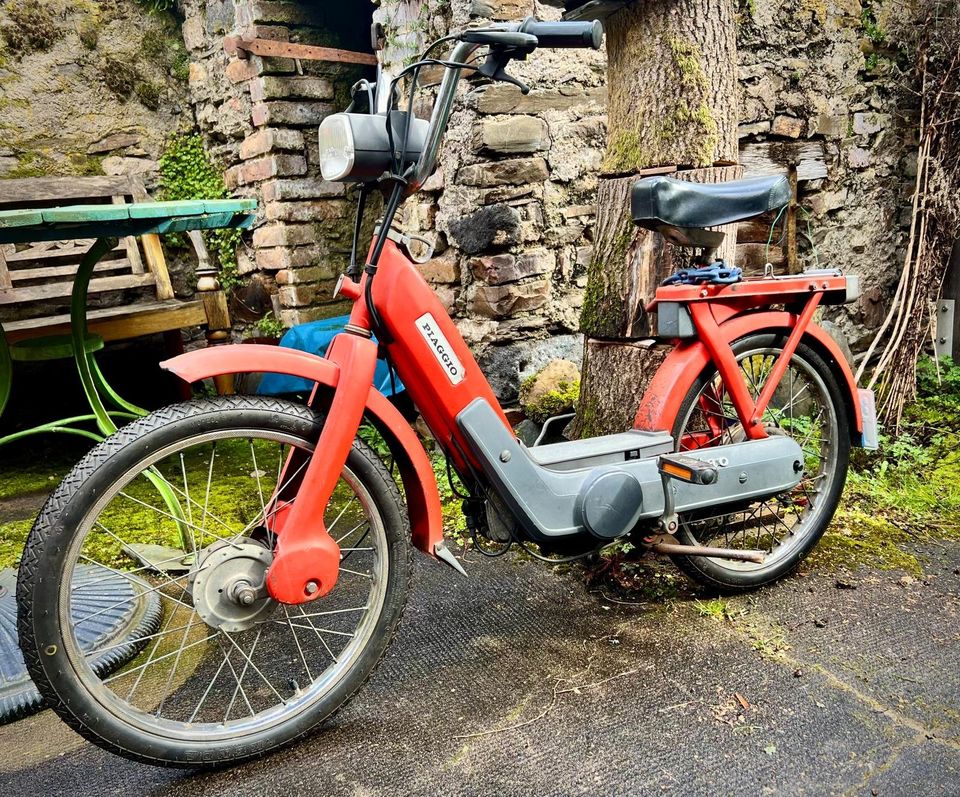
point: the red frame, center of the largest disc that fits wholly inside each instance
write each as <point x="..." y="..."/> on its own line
<point x="306" y="560"/>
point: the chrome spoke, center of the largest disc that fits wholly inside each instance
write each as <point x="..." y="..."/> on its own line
<point x="206" y="660"/>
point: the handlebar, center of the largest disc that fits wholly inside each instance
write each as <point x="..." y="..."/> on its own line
<point x="562" y="34"/>
<point x="565" y="34"/>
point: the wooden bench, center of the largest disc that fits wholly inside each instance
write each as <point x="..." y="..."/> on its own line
<point x="37" y="278"/>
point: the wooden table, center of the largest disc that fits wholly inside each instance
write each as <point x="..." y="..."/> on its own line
<point x="105" y="224"/>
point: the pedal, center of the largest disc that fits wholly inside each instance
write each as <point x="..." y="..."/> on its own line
<point x="687" y="469"/>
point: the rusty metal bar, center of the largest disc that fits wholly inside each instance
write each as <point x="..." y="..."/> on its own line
<point x="268" y="48"/>
<point x="719" y="553"/>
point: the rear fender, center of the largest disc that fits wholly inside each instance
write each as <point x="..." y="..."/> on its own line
<point x="662" y="402"/>
<point x="416" y="472"/>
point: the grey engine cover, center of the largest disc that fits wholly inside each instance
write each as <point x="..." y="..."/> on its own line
<point x="611" y="497"/>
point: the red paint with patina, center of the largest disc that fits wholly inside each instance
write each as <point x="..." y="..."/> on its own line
<point x="442" y="378"/>
<point x="661" y="404"/>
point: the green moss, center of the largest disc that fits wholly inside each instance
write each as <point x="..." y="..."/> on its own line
<point x="906" y="494"/>
<point x="89" y="34"/>
<point x="689" y="60"/>
<point x="149" y="94"/>
<point x="553" y="402"/>
<point x="33" y="164"/>
<point x="187" y="173"/>
<point x="602" y="314"/>
<point x="120" y="76"/>
<point x="689" y="122"/>
<point x="625" y="153"/>
<point x="163" y="45"/>
<point x="32" y="27"/>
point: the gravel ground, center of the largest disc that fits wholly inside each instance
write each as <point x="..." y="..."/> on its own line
<point x="518" y="681"/>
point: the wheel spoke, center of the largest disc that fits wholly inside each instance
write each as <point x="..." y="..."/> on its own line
<point x="184" y="528"/>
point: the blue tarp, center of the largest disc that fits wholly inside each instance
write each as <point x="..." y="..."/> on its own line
<point x="315" y="338"/>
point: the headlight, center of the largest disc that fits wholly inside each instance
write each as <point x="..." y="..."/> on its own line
<point x="337" y="150"/>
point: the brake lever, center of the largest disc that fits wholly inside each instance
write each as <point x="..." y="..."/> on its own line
<point x="495" y="68"/>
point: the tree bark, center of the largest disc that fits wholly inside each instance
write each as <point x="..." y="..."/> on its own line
<point x="673" y="108"/>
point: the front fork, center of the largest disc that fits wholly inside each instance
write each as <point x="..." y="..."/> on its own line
<point x="306" y="559"/>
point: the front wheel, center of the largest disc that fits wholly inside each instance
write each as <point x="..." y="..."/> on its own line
<point x="807" y="406"/>
<point x="176" y="504"/>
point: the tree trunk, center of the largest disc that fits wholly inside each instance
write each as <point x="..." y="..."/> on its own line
<point x="673" y="109"/>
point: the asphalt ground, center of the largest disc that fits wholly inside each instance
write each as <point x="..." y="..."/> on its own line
<point x="521" y="681"/>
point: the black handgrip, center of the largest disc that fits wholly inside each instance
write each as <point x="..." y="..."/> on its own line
<point x="565" y="34"/>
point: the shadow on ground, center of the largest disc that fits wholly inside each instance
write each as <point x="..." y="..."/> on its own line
<point x="518" y="681"/>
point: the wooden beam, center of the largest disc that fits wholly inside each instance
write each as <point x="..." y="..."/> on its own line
<point x="116" y="323"/>
<point x="241" y="46"/>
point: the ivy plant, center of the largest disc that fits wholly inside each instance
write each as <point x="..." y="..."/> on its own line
<point x="186" y="172"/>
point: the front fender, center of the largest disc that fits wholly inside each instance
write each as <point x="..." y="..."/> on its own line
<point x="416" y="472"/>
<point x="676" y="376"/>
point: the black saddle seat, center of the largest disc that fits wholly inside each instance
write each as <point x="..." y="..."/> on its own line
<point x="667" y="202"/>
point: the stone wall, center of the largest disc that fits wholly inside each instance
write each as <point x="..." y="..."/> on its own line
<point x="87" y="88"/>
<point x="821" y="89"/>
<point x="260" y="117"/>
<point x="513" y="203"/>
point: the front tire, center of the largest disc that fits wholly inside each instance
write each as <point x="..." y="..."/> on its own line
<point x="216" y="685"/>
<point x="808" y="406"/>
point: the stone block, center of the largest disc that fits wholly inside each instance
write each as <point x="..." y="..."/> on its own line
<point x="829" y="125"/>
<point x="279" y="87"/>
<point x="305" y="295"/>
<point x="443" y="269"/>
<point x="505" y="366"/>
<point x="114" y="142"/>
<point x="514" y="135"/>
<point x="306" y="211"/>
<point x="284" y="235"/>
<point x="292" y="114"/>
<point x="501" y="9"/>
<point x="298" y="276"/>
<point x="868" y="124"/>
<point x="448" y="295"/>
<point x="503" y="98"/>
<point x="494" y="225"/>
<point x="500" y="269"/>
<point x="859" y="158"/>
<point x="241" y="70"/>
<point x="194" y="36"/>
<point x="285" y="13"/>
<point x="198" y="75"/>
<point x="269" y="139"/>
<point x="788" y="127"/>
<point x="304" y="188"/>
<point x="261" y="169"/>
<point x="520" y="171"/>
<point x="296" y="259"/>
<point x="501" y="301"/>
<point x="115" y="166"/>
<point x="755" y="129"/>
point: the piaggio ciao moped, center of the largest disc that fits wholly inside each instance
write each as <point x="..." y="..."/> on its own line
<point x="291" y="538"/>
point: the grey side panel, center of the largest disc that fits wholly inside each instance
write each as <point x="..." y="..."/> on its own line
<point x="594" y="451"/>
<point x="550" y="503"/>
<point x="542" y="501"/>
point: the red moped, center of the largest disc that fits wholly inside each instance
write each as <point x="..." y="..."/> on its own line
<point x="280" y="543"/>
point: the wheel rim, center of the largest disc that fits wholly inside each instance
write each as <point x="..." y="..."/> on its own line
<point x="193" y="681"/>
<point x="801" y="408"/>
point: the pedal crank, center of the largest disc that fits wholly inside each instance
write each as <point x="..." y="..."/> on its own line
<point x="684" y="468"/>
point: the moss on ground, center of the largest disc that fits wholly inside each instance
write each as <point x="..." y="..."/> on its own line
<point x="234" y="501"/>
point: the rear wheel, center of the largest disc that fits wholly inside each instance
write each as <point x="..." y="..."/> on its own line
<point x="177" y="503"/>
<point x="808" y="406"/>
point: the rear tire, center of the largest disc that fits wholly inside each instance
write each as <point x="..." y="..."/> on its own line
<point x="816" y="506"/>
<point x="96" y="709"/>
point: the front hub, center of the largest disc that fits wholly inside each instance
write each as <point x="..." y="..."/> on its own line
<point x="229" y="585"/>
